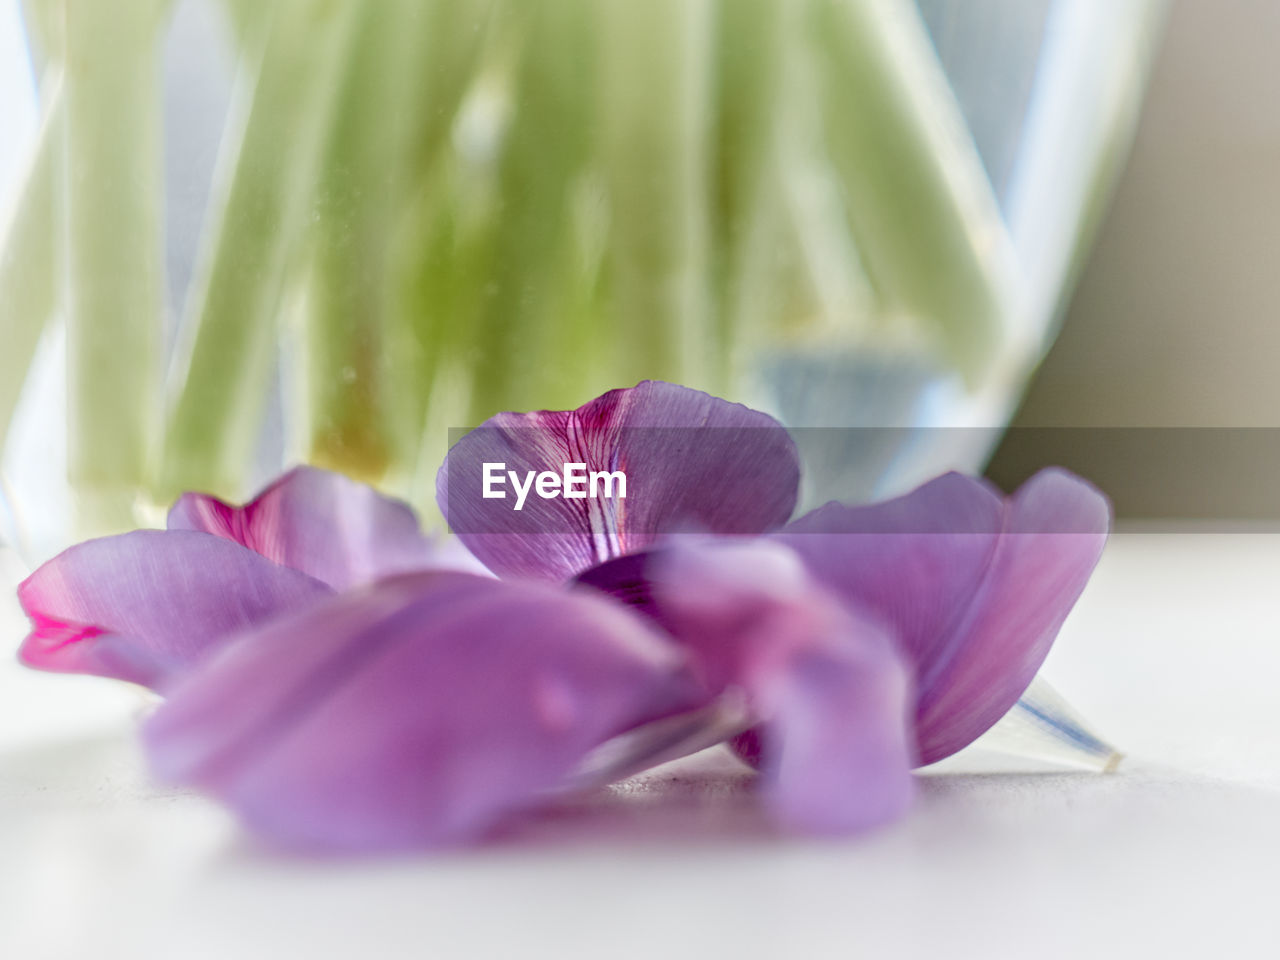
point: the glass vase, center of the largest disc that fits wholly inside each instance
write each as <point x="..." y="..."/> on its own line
<point x="245" y="235"/>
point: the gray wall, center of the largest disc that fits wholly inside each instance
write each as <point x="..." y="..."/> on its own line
<point x="1174" y="322"/>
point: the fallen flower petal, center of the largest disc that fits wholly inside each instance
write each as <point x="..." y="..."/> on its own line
<point x="342" y="532"/>
<point x="149" y="605"/>
<point x="146" y="606"/>
<point x="976" y="586"/>
<point x="420" y="705"/>
<point x="415" y="712"/>
<point x="737" y="472"/>
<point x="830" y="693"/>
<point x="916" y="559"/>
<point x="972" y="587"/>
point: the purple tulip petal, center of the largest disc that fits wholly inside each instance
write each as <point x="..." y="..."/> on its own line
<point x="146" y="606"/>
<point x="329" y="526"/>
<point x="976" y="587"/>
<point x="737" y="472"/>
<point x="831" y="693"/>
<point x="915" y="560"/>
<point x="415" y="712"/>
<point x="839" y="751"/>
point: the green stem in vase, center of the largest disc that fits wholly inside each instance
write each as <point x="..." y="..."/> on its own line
<point x="428" y="237"/>
<point x="46" y="35"/>
<point x="248" y="20"/>
<point x="927" y="225"/>
<point x="526" y="358"/>
<point x="30" y="258"/>
<point x="114" y="182"/>
<point x="270" y="161"/>
<point x="749" y="106"/>
<point x="364" y="186"/>
<point x="655" y="67"/>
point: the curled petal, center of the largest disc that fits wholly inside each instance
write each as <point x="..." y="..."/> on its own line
<point x="916" y="560"/>
<point x="737" y="472"/>
<point x="146" y="606"/>
<point x="327" y="525"/>
<point x="827" y="687"/>
<point x="976" y="586"/>
<point x="414" y="712"/>
<point x="1056" y="527"/>
<point x="838" y="752"/>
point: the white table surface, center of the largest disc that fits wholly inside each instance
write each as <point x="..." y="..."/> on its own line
<point x="1173" y="653"/>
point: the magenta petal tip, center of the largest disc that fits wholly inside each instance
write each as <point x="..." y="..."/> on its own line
<point x="149" y="605"/>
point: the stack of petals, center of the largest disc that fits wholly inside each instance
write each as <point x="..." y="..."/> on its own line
<point x="343" y="682"/>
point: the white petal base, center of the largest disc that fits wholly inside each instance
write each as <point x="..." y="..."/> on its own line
<point x="1043" y="727"/>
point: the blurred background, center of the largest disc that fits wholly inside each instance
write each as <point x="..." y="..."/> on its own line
<point x="1059" y="217"/>
<point x="298" y="231"/>
<point x="1175" y="323"/>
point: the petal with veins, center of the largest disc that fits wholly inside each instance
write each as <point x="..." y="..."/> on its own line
<point x="692" y="462"/>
